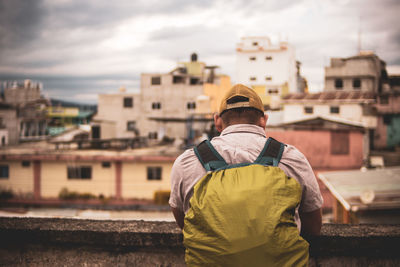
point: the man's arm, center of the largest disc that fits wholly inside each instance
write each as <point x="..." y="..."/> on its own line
<point x="310" y="222"/>
<point x="179" y="216"/>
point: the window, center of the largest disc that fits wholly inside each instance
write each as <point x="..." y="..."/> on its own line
<point x="152" y="135"/>
<point x="4" y="172"/>
<point x="387" y="119"/>
<point x="156" y="105"/>
<point x="106" y="164"/>
<point x="255" y="43"/>
<point x="252" y="58"/>
<point x="335" y="110"/>
<point x="154" y="173"/>
<point x="384" y="100"/>
<point x="356" y="83"/>
<point x="79" y="172"/>
<point x="131" y="125"/>
<point x="272" y="91"/>
<point x="96" y="132"/>
<point x="194" y="81"/>
<point x="268" y="78"/>
<point x="308" y="110"/>
<point x="128" y="102"/>
<point x="340" y="143"/>
<point x="253" y="79"/>
<point x="268" y="58"/>
<point x="178" y="79"/>
<point x="339" y="84"/>
<point x="191" y="105"/>
<point x="156" y="80"/>
<point x="25" y="163"/>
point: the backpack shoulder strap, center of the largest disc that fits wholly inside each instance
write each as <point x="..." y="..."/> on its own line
<point x="208" y="156"/>
<point x="271" y="153"/>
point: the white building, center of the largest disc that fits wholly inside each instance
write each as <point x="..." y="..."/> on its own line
<point x="355" y="107"/>
<point x="117" y="115"/>
<point x="269" y="68"/>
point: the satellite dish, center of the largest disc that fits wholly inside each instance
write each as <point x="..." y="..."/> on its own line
<point x="367" y="196"/>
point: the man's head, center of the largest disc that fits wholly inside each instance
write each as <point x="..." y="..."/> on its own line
<point x="240" y="105"/>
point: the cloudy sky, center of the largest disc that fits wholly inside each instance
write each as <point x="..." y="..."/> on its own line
<point x="79" y="49"/>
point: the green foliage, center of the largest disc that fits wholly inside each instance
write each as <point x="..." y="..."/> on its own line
<point x="161" y="197"/>
<point x="6" y="193"/>
<point x="72" y="195"/>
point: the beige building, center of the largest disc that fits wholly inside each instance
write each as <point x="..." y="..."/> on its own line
<point x="363" y="72"/>
<point x="117" y="115"/>
<point x="129" y="174"/>
<point x="19" y="93"/>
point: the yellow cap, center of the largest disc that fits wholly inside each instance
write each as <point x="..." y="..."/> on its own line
<point x="240" y="96"/>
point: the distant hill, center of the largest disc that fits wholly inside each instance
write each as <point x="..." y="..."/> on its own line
<point x="82" y="107"/>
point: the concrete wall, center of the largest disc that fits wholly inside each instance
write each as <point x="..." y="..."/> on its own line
<point x="352" y="112"/>
<point x="20" y="178"/>
<point x="316" y="146"/>
<point x="54" y="178"/>
<point x="122" y="179"/>
<point x="69" y="242"/>
<point x="9" y="119"/>
<point x="281" y="67"/>
<point x="367" y="68"/>
<point x="135" y="183"/>
<point x="111" y="109"/>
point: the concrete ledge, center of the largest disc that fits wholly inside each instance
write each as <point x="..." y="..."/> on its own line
<point x="69" y="242"/>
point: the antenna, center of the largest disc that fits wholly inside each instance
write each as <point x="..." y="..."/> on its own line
<point x="359" y="35"/>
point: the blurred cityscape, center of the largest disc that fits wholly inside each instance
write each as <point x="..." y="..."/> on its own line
<point x="118" y="154"/>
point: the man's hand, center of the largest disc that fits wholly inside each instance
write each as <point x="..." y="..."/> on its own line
<point x="311" y="222"/>
<point x="179" y="216"/>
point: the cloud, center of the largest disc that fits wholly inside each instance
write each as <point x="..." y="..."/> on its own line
<point x="20" y="22"/>
<point x="97" y="45"/>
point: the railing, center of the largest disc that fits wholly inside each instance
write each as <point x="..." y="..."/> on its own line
<point x="73" y="242"/>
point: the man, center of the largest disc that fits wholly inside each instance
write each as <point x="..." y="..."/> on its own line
<point x="241" y="122"/>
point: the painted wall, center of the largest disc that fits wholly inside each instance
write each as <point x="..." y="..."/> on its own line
<point x="135" y="183"/>
<point x="20" y="178"/>
<point x="111" y="109"/>
<point x="54" y="178"/>
<point x="352" y="112"/>
<point x="281" y="66"/>
<point x="316" y="146"/>
<point x="217" y="91"/>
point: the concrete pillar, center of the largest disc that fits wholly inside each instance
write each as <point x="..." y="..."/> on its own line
<point x="118" y="179"/>
<point x="36" y="179"/>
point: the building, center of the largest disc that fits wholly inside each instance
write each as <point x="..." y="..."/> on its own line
<point x="352" y="106"/>
<point x="327" y="142"/>
<point x="364" y="72"/>
<point x="117" y="116"/>
<point x="9" y="125"/>
<point x="16" y="93"/>
<point x="365" y="196"/>
<point x="271" y="69"/>
<point x="113" y="174"/>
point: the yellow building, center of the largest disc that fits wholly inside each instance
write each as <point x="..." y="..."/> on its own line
<point x="122" y="175"/>
<point x="216" y="92"/>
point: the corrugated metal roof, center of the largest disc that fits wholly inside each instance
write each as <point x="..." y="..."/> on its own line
<point x="329" y="96"/>
<point x="355" y="189"/>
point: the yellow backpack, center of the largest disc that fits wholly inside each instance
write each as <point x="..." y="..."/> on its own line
<point x="243" y="214"/>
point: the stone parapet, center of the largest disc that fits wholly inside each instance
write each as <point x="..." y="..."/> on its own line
<point x="73" y="242"/>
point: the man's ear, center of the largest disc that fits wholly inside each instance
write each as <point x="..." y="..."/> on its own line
<point x="263" y="121"/>
<point x="218" y="123"/>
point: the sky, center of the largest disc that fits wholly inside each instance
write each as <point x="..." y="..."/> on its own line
<point x="79" y="49"/>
